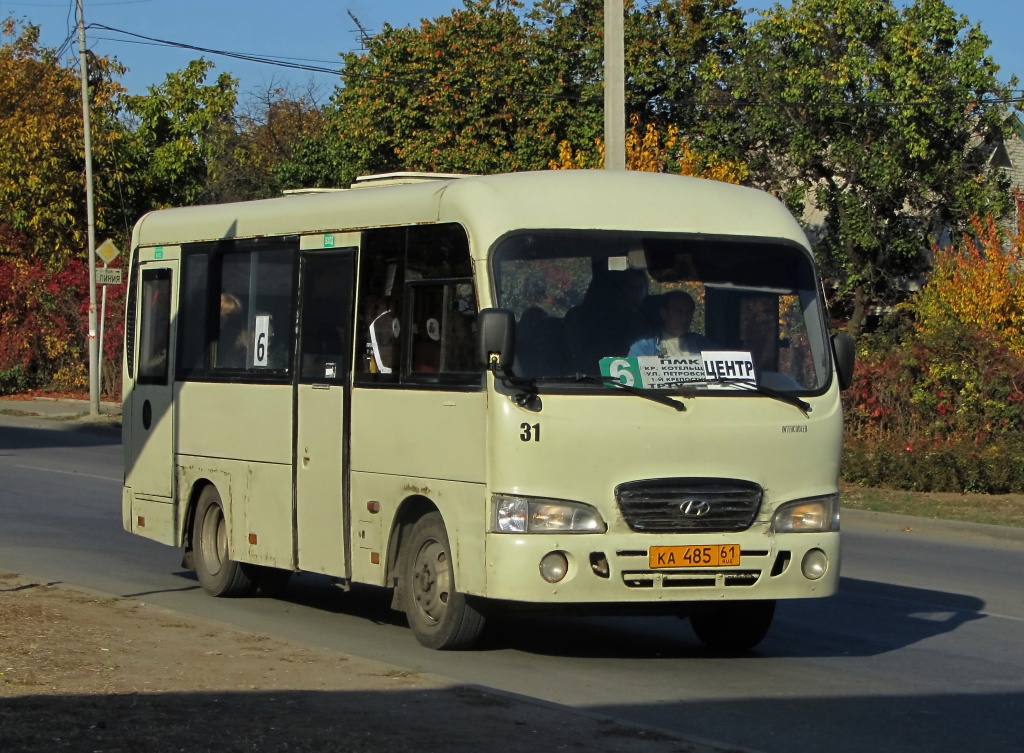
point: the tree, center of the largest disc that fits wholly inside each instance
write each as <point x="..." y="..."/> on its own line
<point x="42" y="163"/>
<point x="648" y="150"/>
<point x="182" y="128"/>
<point x="978" y="283"/>
<point x="490" y="89"/>
<point x="882" y="119"/>
<point x="452" y="95"/>
<point x="268" y="151"/>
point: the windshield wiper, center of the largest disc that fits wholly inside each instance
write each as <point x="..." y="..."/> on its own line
<point x="529" y="386"/>
<point x="779" y="395"/>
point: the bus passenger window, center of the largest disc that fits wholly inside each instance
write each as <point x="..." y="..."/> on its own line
<point x="256" y="293"/>
<point x="191" y="359"/>
<point x="155" y="329"/>
<point x="417" y="306"/>
<point x="443" y="316"/>
<point x="379" y="316"/>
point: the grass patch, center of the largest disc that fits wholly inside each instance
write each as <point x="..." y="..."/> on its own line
<point x="994" y="509"/>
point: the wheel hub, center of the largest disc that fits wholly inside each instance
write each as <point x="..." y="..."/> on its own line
<point x="432" y="580"/>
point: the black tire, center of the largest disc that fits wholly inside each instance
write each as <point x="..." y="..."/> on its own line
<point x="218" y="574"/>
<point x="440" y="617"/>
<point x="734" y="626"/>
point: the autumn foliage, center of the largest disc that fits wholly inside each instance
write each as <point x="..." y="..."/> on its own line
<point x="937" y="402"/>
<point x="979" y="284"/>
<point x="650" y="150"/>
<point x="43" y="315"/>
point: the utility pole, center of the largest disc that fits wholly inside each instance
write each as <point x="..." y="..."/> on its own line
<point x="614" y="87"/>
<point x="94" y="349"/>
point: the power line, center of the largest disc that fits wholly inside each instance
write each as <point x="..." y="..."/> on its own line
<point x="303" y="64"/>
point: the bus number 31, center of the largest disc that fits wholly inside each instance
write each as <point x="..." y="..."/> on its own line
<point x="531" y="432"/>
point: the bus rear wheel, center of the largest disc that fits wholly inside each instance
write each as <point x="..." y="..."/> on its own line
<point x="734" y="626"/>
<point x="440" y="617"/>
<point x="218" y="574"/>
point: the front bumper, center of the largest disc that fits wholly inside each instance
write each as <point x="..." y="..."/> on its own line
<point x="613" y="568"/>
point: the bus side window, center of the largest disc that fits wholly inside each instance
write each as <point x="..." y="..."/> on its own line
<point x="441" y="304"/>
<point x="418" y="279"/>
<point x="253" y="305"/>
<point x="443" y="317"/>
<point x="378" y="328"/>
<point x="192" y="315"/>
<point x="155" y="326"/>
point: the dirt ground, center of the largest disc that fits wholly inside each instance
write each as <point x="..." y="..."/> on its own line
<point x="90" y="674"/>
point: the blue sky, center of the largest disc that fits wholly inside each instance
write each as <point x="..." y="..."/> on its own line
<point x="315" y="31"/>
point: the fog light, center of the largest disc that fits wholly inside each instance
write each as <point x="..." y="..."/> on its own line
<point x="815" y="564"/>
<point x="554" y="566"/>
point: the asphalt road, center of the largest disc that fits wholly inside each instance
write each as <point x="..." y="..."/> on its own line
<point x="923" y="649"/>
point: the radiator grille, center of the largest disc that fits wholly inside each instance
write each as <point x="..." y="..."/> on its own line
<point x="689" y="505"/>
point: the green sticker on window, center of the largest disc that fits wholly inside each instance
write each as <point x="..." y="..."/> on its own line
<point x="328" y="240"/>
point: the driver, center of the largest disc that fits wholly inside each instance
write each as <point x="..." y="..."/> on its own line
<point x="675" y="339"/>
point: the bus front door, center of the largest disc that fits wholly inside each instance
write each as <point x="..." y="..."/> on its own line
<point x="325" y="345"/>
<point x="150" y="448"/>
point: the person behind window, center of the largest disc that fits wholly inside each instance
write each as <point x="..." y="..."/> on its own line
<point x="675" y="339"/>
<point x="233" y="339"/>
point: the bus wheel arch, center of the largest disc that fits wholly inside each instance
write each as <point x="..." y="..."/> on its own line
<point x="218" y="574"/>
<point x="188" y="523"/>
<point x="409" y="513"/>
<point x="439" y="616"/>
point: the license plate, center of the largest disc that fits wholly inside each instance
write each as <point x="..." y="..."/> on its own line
<point x="717" y="555"/>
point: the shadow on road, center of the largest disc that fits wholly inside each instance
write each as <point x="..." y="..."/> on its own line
<point x="453" y="719"/>
<point x="864" y="619"/>
<point x="848" y="723"/>
<point x="72" y="435"/>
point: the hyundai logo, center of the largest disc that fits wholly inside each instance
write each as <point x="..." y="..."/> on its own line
<point x="694" y="508"/>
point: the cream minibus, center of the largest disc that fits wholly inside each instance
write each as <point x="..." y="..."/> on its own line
<point x="590" y="390"/>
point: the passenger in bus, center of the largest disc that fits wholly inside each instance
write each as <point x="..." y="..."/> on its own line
<point x="675" y="309"/>
<point x="233" y="336"/>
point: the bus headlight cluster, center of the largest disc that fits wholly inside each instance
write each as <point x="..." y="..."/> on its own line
<point x="813" y="514"/>
<point x="539" y="515"/>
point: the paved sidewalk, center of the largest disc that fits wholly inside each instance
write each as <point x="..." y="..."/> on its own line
<point x="60" y="409"/>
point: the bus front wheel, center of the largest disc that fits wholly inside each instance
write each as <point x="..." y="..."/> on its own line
<point x="440" y="617"/>
<point x="218" y="574"/>
<point x="734" y="626"/>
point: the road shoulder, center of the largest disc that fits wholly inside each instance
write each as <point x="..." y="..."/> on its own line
<point x="83" y="671"/>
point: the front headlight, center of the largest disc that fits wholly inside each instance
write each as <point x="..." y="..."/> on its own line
<point x="814" y="514"/>
<point x="538" y="515"/>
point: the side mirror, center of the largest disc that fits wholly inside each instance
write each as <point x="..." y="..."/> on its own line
<point x="495" y="339"/>
<point x="845" y="352"/>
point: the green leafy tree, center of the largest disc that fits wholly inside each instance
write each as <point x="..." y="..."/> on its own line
<point x="182" y="129"/>
<point x="677" y="53"/>
<point x="882" y="119"/>
<point x="451" y="95"/>
<point x="490" y="88"/>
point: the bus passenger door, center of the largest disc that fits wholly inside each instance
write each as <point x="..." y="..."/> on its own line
<point x="151" y="438"/>
<point x="321" y="462"/>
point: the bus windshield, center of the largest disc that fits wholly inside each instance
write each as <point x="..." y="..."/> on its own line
<point x="663" y="312"/>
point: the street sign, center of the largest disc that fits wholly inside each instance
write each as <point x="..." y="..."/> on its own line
<point x="107" y="251"/>
<point x="108" y="276"/>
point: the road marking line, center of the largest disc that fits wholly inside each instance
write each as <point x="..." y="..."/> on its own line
<point x="66" y="473"/>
